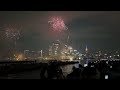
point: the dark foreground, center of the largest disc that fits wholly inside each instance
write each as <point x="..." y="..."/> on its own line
<point x="57" y="70"/>
<point x="108" y="69"/>
<point x="25" y="69"/>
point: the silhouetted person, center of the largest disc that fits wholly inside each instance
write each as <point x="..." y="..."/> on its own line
<point x="90" y="73"/>
<point x="42" y="73"/>
<point x="52" y="70"/>
<point x="70" y="76"/>
<point x="60" y="74"/>
<point x="75" y="74"/>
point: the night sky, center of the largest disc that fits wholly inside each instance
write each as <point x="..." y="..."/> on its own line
<point x="96" y="29"/>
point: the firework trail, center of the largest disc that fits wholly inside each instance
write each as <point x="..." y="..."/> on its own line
<point x="57" y="24"/>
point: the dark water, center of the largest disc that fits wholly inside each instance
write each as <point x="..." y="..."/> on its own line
<point x="35" y="74"/>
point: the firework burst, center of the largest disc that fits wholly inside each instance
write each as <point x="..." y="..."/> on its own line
<point x="57" y="24"/>
<point x="12" y="32"/>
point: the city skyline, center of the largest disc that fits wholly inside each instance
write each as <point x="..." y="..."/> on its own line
<point x="96" y="29"/>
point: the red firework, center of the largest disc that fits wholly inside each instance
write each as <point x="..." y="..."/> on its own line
<point x="57" y="24"/>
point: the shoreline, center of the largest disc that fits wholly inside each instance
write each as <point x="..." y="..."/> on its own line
<point x="21" y="66"/>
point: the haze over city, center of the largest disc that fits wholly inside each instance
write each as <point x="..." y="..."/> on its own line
<point x="59" y="45"/>
<point x="96" y="29"/>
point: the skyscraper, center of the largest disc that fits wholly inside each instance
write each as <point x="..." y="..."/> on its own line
<point x="26" y="53"/>
<point x="86" y="50"/>
<point x="50" y="50"/>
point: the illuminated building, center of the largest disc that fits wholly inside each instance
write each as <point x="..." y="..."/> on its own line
<point x="50" y="50"/>
<point x="32" y="54"/>
<point x="41" y="53"/>
<point x="86" y="50"/>
<point x="54" y="50"/>
<point x="26" y="53"/>
<point x="61" y="51"/>
<point x="70" y="49"/>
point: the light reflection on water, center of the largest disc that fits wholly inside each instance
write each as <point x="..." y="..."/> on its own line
<point x="35" y="74"/>
<point x="68" y="68"/>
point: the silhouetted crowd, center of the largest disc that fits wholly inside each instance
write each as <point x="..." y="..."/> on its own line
<point x="93" y="70"/>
